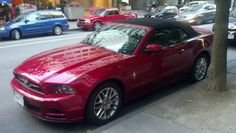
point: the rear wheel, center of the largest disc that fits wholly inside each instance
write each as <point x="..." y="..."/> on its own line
<point x="199" y="68"/>
<point x="57" y="30"/>
<point x="104" y="104"/>
<point x="15" y="34"/>
<point x="97" y="25"/>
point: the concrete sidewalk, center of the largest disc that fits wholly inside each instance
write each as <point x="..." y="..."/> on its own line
<point x="182" y="108"/>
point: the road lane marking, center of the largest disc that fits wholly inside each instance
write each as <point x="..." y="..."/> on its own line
<point x="46" y="41"/>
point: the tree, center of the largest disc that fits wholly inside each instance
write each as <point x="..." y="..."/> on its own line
<point x="218" y="71"/>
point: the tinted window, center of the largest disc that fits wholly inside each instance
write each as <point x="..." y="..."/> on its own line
<point x="122" y="39"/>
<point x="44" y="16"/>
<point x="168" y="36"/>
<point x="110" y="13"/>
<point x="57" y="15"/>
<point x="233" y="13"/>
<point x="116" y="12"/>
<point x="33" y="17"/>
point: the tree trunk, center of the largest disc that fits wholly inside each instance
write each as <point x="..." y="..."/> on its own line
<point x="218" y="70"/>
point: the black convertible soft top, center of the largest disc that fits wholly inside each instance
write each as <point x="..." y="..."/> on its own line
<point x="159" y="24"/>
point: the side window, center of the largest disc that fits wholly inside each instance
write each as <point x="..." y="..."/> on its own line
<point x="109" y="13"/>
<point x="57" y="15"/>
<point x="33" y="17"/>
<point x="168" y="36"/>
<point x="116" y="12"/>
<point x="44" y="16"/>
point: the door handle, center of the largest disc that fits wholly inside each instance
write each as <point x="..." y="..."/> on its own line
<point x="180" y="51"/>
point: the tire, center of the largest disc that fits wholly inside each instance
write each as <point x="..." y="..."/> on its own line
<point x="199" y="69"/>
<point x="15" y="34"/>
<point x="57" y="30"/>
<point x="104" y="104"/>
<point x="97" y="25"/>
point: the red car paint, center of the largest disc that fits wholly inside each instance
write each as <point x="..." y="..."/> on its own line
<point x="83" y="67"/>
<point x="104" y="18"/>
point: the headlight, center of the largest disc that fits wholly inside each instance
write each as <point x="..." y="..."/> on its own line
<point x="232" y="26"/>
<point x="2" y="28"/>
<point x="87" y="21"/>
<point x="63" y="89"/>
<point x="176" y="17"/>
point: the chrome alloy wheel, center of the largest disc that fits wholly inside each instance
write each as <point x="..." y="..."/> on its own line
<point x="106" y="103"/>
<point x="97" y="25"/>
<point x="57" y="30"/>
<point x="17" y="35"/>
<point x="201" y="68"/>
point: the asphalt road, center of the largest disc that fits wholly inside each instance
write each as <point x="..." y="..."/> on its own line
<point x="13" y="118"/>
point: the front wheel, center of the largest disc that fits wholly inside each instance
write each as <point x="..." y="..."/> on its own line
<point x="97" y="25"/>
<point x="57" y="30"/>
<point x="200" y="68"/>
<point x="104" y="104"/>
<point x="15" y="34"/>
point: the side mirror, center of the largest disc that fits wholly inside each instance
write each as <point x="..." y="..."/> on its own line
<point x="26" y="21"/>
<point x="153" y="48"/>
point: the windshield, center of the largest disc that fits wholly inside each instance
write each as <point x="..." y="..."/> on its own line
<point x="194" y="8"/>
<point x="98" y="12"/>
<point x="233" y="13"/>
<point x="19" y="18"/>
<point x="159" y="9"/>
<point x="122" y="39"/>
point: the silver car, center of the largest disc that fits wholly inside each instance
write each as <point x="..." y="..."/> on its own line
<point x="198" y="14"/>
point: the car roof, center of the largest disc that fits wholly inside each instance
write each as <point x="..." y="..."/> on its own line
<point x="159" y="24"/>
<point x="46" y="11"/>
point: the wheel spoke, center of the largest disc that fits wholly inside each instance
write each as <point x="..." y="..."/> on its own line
<point x="106" y="103"/>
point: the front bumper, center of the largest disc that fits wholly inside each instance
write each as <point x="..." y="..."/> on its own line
<point x="4" y="34"/>
<point x="56" y="107"/>
<point x="85" y="25"/>
<point x="232" y="35"/>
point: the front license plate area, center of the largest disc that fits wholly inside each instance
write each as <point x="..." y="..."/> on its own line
<point x="230" y="36"/>
<point x="19" y="98"/>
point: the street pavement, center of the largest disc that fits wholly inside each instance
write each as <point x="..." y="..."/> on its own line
<point x="182" y="107"/>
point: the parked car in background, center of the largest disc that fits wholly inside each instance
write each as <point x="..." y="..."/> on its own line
<point x="117" y="63"/>
<point x="35" y="23"/>
<point x="198" y="14"/>
<point x="163" y="12"/>
<point x="184" y="8"/>
<point x="231" y="26"/>
<point x="102" y="16"/>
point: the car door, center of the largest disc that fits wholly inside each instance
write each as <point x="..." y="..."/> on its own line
<point x="45" y="22"/>
<point x="108" y="16"/>
<point x="175" y="56"/>
<point x="209" y="13"/>
<point x="31" y="25"/>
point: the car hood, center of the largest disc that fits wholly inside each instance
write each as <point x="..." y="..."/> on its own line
<point x="66" y="63"/>
<point x="90" y="17"/>
<point x="188" y="14"/>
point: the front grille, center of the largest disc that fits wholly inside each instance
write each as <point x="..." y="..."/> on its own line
<point x="27" y="83"/>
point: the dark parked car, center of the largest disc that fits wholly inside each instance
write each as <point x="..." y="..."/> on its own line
<point x="117" y="63"/>
<point x="232" y="25"/>
<point x="35" y="23"/>
<point x="163" y="12"/>
<point x="198" y="14"/>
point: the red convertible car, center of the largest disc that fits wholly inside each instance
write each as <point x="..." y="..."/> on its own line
<point x="117" y="63"/>
<point x="102" y="16"/>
